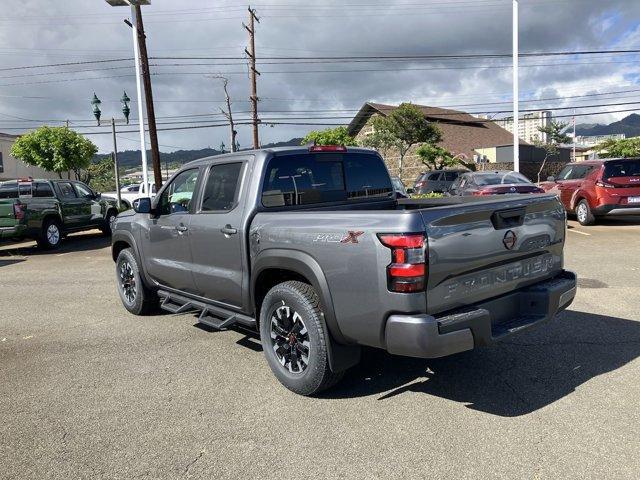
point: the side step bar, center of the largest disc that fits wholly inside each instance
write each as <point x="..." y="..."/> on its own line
<point x="212" y="316"/>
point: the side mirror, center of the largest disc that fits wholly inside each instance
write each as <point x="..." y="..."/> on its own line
<point x="410" y="191"/>
<point x="551" y="179"/>
<point x="142" y="205"/>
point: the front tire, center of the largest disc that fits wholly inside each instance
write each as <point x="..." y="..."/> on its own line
<point x="293" y="338"/>
<point x="583" y="213"/>
<point x="50" y="235"/>
<point x="109" y="220"/>
<point x="135" y="296"/>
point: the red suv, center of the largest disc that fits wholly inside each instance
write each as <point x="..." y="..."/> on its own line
<point x="596" y="188"/>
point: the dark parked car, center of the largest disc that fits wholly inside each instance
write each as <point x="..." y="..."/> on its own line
<point x="596" y="188"/>
<point x="493" y="183"/>
<point x="311" y="247"/>
<point x="438" y="181"/>
<point x="46" y="210"/>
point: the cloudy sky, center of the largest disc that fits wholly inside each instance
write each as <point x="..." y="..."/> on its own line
<point x="300" y="82"/>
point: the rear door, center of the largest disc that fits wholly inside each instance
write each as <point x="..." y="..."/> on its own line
<point x="485" y="248"/>
<point x="216" y="234"/>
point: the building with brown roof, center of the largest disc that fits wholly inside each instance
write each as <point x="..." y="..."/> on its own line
<point x="462" y="133"/>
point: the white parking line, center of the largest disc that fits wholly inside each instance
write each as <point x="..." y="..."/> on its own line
<point x="578" y="231"/>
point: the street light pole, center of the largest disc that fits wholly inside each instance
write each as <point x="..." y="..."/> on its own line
<point x="115" y="163"/>
<point x="516" y="94"/>
<point x="143" y="142"/>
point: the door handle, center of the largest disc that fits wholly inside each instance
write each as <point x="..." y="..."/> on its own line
<point x="181" y="229"/>
<point x="229" y="230"/>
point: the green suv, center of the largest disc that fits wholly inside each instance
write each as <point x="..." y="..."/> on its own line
<point x="47" y="210"/>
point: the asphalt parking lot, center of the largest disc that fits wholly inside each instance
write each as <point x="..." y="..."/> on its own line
<point x="89" y="391"/>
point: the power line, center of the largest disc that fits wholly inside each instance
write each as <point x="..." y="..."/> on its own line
<point x="87" y="62"/>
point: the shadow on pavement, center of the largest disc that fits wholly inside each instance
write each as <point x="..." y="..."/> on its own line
<point x="73" y="243"/>
<point x="512" y="378"/>
<point x="6" y="262"/>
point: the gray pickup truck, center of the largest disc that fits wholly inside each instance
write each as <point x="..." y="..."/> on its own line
<point x="311" y="247"/>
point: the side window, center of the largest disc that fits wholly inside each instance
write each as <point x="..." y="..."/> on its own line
<point x="66" y="190"/>
<point x="42" y="190"/>
<point x="434" y="177"/>
<point x="450" y="176"/>
<point x="83" y="190"/>
<point x="176" y="198"/>
<point x="565" y="173"/>
<point x="221" y="189"/>
<point x="579" y="172"/>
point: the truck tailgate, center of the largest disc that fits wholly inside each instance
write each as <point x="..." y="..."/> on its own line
<point x="485" y="249"/>
<point x="7" y="216"/>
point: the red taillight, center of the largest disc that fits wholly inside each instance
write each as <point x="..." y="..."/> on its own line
<point x="603" y="184"/>
<point x="419" y="184"/>
<point x="481" y="192"/>
<point x="18" y="210"/>
<point x="327" y="148"/>
<point x="406" y="273"/>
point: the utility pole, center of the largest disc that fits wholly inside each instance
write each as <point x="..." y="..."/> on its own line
<point x="115" y="163"/>
<point x="228" y="113"/>
<point x="151" y="116"/>
<point x="574" y="135"/>
<point x="516" y="94"/>
<point x="252" y="57"/>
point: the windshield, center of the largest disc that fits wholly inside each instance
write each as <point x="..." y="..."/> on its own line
<point x="500" y="178"/>
<point x="622" y="168"/>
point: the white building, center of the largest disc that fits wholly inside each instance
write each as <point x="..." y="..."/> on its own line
<point x="593" y="140"/>
<point x="528" y="125"/>
<point x="12" y="168"/>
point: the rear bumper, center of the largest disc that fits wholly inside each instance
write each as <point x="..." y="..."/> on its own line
<point x="426" y="336"/>
<point x="16" y="231"/>
<point x="617" y="209"/>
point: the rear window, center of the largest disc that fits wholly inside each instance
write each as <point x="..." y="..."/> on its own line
<point x="500" y="178"/>
<point x="622" y="168"/>
<point x="307" y="179"/>
<point x="8" y="189"/>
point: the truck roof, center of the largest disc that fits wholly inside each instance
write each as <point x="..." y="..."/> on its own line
<point x="265" y="151"/>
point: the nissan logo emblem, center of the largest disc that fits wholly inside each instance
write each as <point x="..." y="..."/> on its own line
<point x="510" y="239"/>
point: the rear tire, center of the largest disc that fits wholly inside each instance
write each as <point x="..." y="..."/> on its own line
<point x="135" y="296"/>
<point x="293" y="339"/>
<point x="583" y="213"/>
<point x="50" y="235"/>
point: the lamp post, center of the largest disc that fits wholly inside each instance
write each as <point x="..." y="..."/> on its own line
<point x="125" y="111"/>
<point x="222" y="147"/>
<point x="516" y="94"/>
<point x="139" y="51"/>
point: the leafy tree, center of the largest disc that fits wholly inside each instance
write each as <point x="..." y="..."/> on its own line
<point x="55" y="149"/>
<point x="408" y="126"/>
<point x="624" y="148"/>
<point x="382" y="141"/>
<point x="435" y="157"/>
<point x="330" y="136"/>
<point x="555" y="137"/>
<point x="100" y="175"/>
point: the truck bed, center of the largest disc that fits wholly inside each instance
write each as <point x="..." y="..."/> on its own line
<point x="467" y="259"/>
